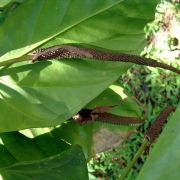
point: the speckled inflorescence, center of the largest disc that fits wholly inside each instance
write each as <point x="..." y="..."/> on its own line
<point x="87" y="115"/>
<point x="121" y="120"/>
<point x="66" y="51"/>
<point x="155" y="129"/>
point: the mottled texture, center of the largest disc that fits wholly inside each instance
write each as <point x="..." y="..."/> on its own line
<point x="121" y="120"/>
<point x="87" y="115"/>
<point x="155" y="129"/>
<point x="65" y="51"/>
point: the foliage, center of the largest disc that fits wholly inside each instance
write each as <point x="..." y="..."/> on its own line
<point x="42" y="97"/>
<point x="44" y="91"/>
<point x="53" y="167"/>
<point x="164" y="157"/>
<point x="153" y="87"/>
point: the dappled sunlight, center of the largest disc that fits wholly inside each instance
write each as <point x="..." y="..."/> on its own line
<point x="1" y="178"/>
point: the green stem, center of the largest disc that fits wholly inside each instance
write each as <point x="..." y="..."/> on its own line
<point x="136" y="156"/>
<point x="12" y="61"/>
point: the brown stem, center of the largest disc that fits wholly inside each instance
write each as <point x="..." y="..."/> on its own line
<point x="155" y="129"/>
<point x="151" y="135"/>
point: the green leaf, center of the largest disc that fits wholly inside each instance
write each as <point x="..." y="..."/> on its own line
<point x="37" y="144"/>
<point x="6" y="158"/>
<point x="33" y="98"/>
<point x="116" y="95"/>
<point x="43" y="155"/>
<point x="46" y="20"/>
<point x="164" y="160"/>
<point x="119" y="28"/>
<point x="70" y="164"/>
<point x="124" y="22"/>
<point x="48" y="93"/>
<point x="48" y="102"/>
<point x="7" y="6"/>
<point x="73" y="133"/>
<point x="23" y="148"/>
<point x="96" y="137"/>
<point x="4" y="3"/>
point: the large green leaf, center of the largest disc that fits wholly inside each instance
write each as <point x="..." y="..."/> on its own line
<point x="48" y="93"/>
<point x="43" y="20"/>
<point x="33" y="98"/>
<point x="7" y="6"/>
<point x="23" y="148"/>
<point x="40" y="105"/>
<point x="86" y="135"/>
<point x="164" y="160"/>
<point x="4" y="3"/>
<point x="43" y="156"/>
<point x="119" y="22"/>
<point x="118" y="28"/>
<point x="37" y="144"/>
<point x="74" y="133"/>
<point x="97" y="136"/>
<point x="70" y="164"/>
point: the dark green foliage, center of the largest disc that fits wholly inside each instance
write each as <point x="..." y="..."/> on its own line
<point x="47" y="94"/>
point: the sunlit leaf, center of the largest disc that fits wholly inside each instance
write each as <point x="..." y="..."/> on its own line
<point x="48" y="93"/>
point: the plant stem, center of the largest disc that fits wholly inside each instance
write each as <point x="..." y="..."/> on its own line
<point x="136" y="156"/>
<point x="12" y="61"/>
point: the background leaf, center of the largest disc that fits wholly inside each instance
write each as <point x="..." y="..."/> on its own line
<point x="24" y="148"/>
<point x="91" y="135"/>
<point x="8" y="6"/>
<point x="46" y="94"/>
<point x="69" y="164"/>
<point x="96" y="137"/>
<point x="46" y="19"/>
<point x="42" y="155"/>
<point x="49" y="97"/>
<point x="164" y="160"/>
